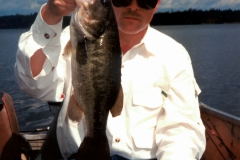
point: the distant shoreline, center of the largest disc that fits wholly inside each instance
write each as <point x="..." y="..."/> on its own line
<point x="187" y="17"/>
<point x="193" y="16"/>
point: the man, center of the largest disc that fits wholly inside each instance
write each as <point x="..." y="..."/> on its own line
<point x="160" y="117"/>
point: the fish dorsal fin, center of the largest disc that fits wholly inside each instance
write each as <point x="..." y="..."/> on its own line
<point x="117" y="107"/>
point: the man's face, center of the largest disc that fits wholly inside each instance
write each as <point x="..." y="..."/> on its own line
<point x="133" y="19"/>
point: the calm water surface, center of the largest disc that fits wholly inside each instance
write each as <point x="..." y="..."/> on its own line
<point x="31" y="113"/>
<point x="215" y="54"/>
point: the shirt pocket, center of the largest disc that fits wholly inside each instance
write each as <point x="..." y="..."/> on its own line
<point x="147" y="103"/>
<point x="147" y="97"/>
<point x="144" y="138"/>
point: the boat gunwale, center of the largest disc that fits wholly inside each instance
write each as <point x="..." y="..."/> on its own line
<point x="220" y="114"/>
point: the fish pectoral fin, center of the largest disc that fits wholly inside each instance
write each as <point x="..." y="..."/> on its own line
<point x="117" y="107"/>
<point x="74" y="111"/>
<point x="68" y="49"/>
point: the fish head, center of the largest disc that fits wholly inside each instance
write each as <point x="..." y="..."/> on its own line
<point x="91" y="17"/>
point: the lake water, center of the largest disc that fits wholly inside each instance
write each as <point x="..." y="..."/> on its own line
<point x="215" y="54"/>
<point x="31" y="113"/>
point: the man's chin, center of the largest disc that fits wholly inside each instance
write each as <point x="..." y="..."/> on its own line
<point x="132" y="29"/>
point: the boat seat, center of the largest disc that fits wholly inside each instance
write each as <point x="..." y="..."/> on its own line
<point x="12" y="145"/>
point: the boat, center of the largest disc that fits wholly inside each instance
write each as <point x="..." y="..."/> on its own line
<point x="222" y="135"/>
<point x="35" y="139"/>
<point x="15" y="144"/>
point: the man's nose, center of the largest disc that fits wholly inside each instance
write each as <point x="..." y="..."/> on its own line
<point x="133" y="5"/>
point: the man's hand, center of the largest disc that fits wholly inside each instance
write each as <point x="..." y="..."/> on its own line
<point x="54" y="10"/>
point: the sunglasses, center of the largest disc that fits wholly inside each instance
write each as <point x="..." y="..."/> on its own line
<point x="145" y="4"/>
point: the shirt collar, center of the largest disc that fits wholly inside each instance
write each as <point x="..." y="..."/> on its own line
<point x="149" y="42"/>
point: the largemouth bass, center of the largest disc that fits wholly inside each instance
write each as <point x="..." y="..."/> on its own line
<point x="96" y="73"/>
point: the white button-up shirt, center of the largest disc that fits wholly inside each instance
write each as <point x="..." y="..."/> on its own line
<point x="160" y="117"/>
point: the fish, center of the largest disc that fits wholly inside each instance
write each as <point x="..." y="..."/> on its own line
<point x="96" y="59"/>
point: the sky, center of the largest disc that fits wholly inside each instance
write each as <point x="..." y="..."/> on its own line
<point x="12" y="7"/>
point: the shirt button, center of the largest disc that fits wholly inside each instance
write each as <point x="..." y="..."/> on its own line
<point x="46" y="35"/>
<point x="117" y="140"/>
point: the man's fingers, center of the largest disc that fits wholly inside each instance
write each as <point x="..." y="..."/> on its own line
<point x="62" y="7"/>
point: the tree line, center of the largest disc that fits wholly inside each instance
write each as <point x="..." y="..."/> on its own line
<point x="191" y="16"/>
<point x="23" y="21"/>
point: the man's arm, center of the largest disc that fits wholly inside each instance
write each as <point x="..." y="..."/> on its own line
<point x="52" y="14"/>
<point x="180" y="133"/>
<point x="40" y="68"/>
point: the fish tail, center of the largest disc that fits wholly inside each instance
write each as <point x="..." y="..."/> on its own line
<point x="94" y="149"/>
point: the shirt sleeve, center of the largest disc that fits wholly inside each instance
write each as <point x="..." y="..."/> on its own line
<point x="180" y="133"/>
<point x="46" y="85"/>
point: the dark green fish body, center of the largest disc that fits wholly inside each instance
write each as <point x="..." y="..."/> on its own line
<point x="96" y="72"/>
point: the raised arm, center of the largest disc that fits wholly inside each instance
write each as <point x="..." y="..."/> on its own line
<point x="52" y="14"/>
<point x="40" y="67"/>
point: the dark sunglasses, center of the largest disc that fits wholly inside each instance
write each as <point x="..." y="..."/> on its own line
<point x="145" y="4"/>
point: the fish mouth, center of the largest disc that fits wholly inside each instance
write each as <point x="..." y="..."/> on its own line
<point x="84" y="23"/>
<point x="77" y="23"/>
